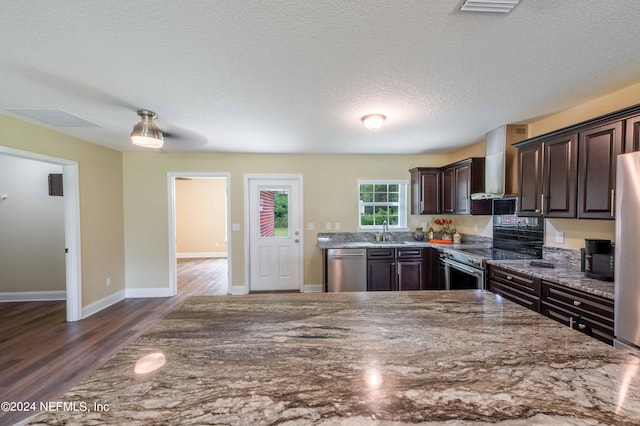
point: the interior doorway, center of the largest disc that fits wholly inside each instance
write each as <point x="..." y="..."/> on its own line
<point x="200" y="248"/>
<point x="71" y="206"/>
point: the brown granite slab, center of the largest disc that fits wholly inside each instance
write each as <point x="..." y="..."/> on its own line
<point x="386" y="358"/>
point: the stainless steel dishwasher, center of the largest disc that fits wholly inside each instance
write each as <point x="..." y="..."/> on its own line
<point x="346" y="270"/>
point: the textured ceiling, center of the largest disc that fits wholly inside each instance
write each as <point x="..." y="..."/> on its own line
<point x="296" y="76"/>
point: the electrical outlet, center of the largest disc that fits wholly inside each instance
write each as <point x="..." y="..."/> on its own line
<point x="108" y="281"/>
<point x="560" y="237"/>
<point x="336" y="226"/>
<point x="311" y="226"/>
<point x="235" y="226"/>
<point x="475" y="227"/>
<point x="328" y="226"/>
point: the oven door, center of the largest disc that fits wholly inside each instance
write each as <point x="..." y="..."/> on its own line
<point x="462" y="277"/>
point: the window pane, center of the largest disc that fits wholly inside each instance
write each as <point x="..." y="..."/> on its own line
<point x="380" y="188"/>
<point x="393" y="197"/>
<point x="366" y="188"/>
<point x="393" y="220"/>
<point x="274" y="213"/>
<point x="366" y="197"/>
<point x="381" y="197"/>
<point x="393" y="187"/>
<point x="368" y="210"/>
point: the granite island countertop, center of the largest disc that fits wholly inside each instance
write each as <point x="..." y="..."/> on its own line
<point x="564" y="274"/>
<point x="381" y="358"/>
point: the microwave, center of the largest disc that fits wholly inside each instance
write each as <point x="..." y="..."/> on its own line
<point x="505" y="206"/>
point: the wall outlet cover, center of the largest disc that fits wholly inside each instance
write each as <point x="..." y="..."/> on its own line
<point x="311" y="226"/>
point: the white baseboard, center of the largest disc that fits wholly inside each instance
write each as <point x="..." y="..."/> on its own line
<point x="238" y="290"/>
<point x="312" y="288"/>
<point x="201" y="254"/>
<point x="133" y="293"/>
<point x="32" y="296"/>
<point x="103" y="303"/>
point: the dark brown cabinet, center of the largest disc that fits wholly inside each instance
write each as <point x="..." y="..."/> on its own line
<point x="425" y="190"/>
<point x="632" y="137"/>
<point x="412" y="269"/>
<point x="381" y="270"/>
<point x="548" y="177"/>
<point x="559" y="176"/>
<point x="590" y="314"/>
<point x="460" y="180"/>
<point x="435" y="274"/>
<point x="448" y="190"/>
<point x="519" y="288"/>
<point x="530" y="180"/>
<point x="390" y="269"/>
<point x="599" y="149"/>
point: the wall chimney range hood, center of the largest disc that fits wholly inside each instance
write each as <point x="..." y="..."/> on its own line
<point x="501" y="159"/>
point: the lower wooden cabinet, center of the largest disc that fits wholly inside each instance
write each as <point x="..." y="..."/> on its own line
<point x="390" y="269"/>
<point x="520" y="288"/>
<point x="585" y="312"/>
<point x="588" y="313"/>
<point x="435" y="273"/>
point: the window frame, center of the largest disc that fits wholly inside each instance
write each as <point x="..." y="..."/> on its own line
<point x="403" y="208"/>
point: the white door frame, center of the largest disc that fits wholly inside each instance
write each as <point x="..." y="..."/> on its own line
<point x="73" y="259"/>
<point x="171" y="182"/>
<point x="247" y="240"/>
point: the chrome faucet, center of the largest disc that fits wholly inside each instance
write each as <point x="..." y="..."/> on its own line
<point x="386" y="235"/>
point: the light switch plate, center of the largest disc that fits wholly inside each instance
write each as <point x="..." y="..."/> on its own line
<point x="311" y="226"/>
<point x="235" y="226"/>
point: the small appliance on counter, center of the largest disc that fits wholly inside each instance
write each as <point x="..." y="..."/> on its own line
<point x="598" y="258"/>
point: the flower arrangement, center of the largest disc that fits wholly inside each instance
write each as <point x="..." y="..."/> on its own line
<point x="447" y="226"/>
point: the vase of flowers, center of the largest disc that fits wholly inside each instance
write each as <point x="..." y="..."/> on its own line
<point x="419" y="235"/>
<point x="447" y="229"/>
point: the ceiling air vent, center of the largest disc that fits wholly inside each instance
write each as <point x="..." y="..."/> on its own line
<point x="489" y="6"/>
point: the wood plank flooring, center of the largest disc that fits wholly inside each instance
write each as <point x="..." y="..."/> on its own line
<point x="42" y="356"/>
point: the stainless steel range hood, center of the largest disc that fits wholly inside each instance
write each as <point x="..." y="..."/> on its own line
<point x="500" y="163"/>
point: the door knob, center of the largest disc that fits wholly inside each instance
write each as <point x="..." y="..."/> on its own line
<point x="296" y="241"/>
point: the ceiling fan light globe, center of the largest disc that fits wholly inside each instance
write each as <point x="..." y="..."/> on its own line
<point x="373" y="121"/>
<point x="147" y="142"/>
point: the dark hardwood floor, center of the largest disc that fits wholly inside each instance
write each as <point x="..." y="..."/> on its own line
<point x="42" y="356"/>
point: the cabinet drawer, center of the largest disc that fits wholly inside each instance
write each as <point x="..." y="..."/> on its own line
<point x="602" y="331"/>
<point x="580" y="303"/>
<point x="516" y="295"/>
<point x="524" y="284"/>
<point x="381" y="253"/>
<point x="411" y="253"/>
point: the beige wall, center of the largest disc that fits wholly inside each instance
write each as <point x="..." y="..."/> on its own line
<point x="101" y="208"/>
<point x="31" y="228"/>
<point x="201" y="217"/>
<point x="330" y="195"/>
<point x="577" y="230"/>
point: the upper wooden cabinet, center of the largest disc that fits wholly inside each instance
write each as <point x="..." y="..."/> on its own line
<point x="599" y="149"/>
<point x="425" y="190"/>
<point x="448" y="189"/>
<point x="632" y="137"/>
<point x="571" y="172"/>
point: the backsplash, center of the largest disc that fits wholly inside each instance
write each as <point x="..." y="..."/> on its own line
<point x="568" y="257"/>
<point x="353" y="237"/>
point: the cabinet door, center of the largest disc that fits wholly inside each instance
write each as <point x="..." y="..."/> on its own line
<point x="448" y="191"/>
<point x="560" y="176"/>
<point x="381" y="275"/>
<point x="462" y="189"/>
<point x="632" y="139"/>
<point x="411" y="274"/>
<point x="530" y="180"/>
<point x="425" y="191"/>
<point x="599" y="149"/>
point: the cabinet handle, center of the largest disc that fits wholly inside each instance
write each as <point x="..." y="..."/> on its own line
<point x="577" y="303"/>
<point x="421" y="206"/>
<point x="542" y="204"/>
<point x="509" y="277"/>
<point x="571" y="322"/>
<point x="613" y="201"/>
<point x="582" y="326"/>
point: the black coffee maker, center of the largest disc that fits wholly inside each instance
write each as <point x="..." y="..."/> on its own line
<point x="598" y="258"/>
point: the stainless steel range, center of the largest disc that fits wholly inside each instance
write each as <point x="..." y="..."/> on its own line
<point x="513" y="238"/>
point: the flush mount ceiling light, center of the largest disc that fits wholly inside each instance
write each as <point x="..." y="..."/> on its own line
<point x="373" y="121"/>
<point x="145" y="133"/>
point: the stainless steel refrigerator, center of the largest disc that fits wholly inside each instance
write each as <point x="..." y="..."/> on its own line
<point x="627" y="264"/>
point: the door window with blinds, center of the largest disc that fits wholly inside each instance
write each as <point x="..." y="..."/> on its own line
<point x="380" y="201"/>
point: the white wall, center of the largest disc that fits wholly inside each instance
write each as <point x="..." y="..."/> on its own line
<point x="31" y="228"/>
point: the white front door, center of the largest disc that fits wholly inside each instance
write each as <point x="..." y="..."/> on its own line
<point x="275" y="238"/>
